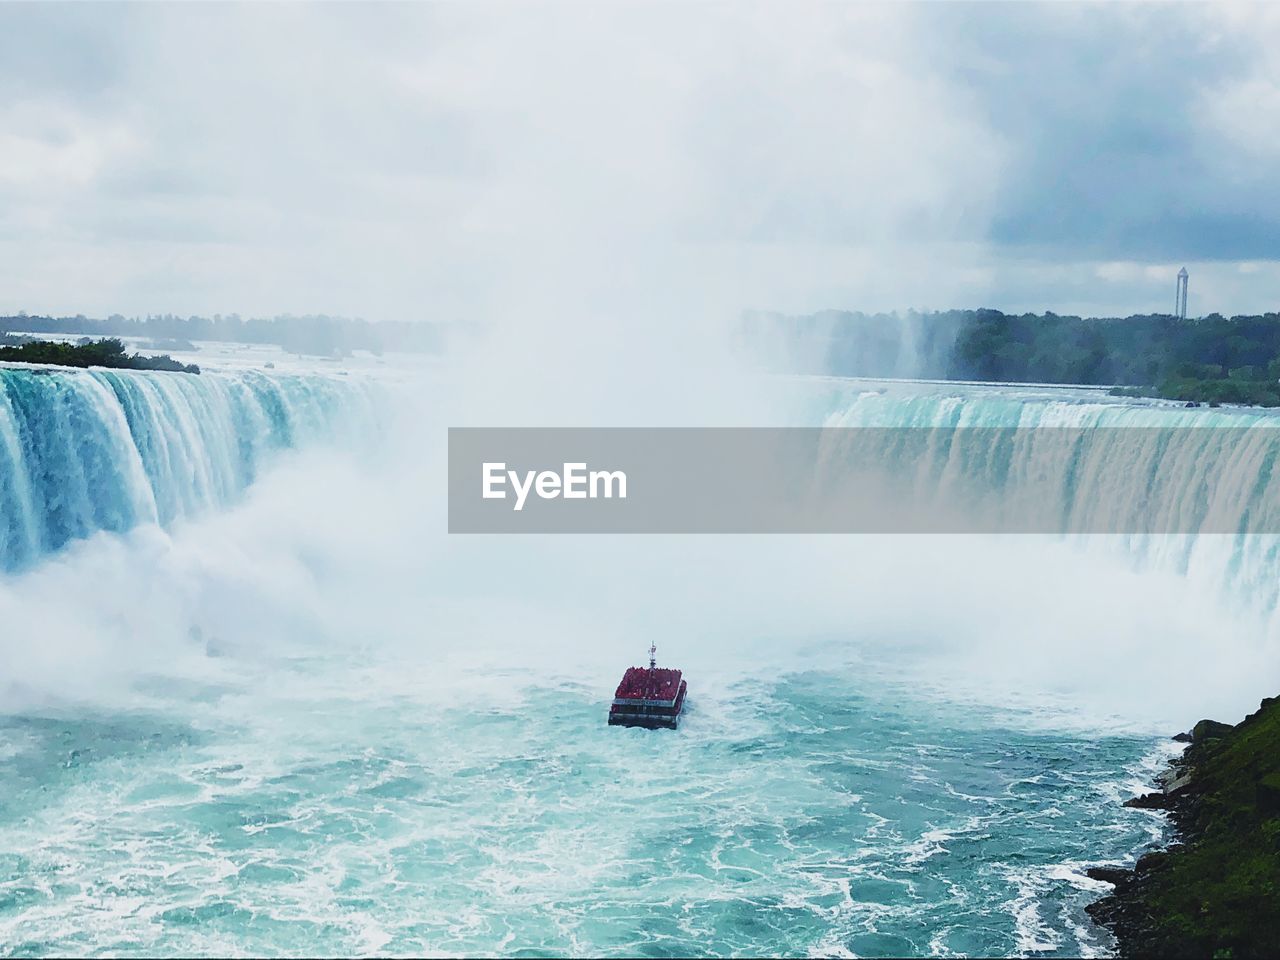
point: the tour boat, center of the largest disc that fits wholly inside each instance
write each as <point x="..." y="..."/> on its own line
<point x="649" y="698"/>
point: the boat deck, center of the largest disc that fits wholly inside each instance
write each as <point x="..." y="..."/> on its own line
<point x="648" y="697"/>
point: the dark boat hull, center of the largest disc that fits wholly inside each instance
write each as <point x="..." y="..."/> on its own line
<point x="651" y="715"/>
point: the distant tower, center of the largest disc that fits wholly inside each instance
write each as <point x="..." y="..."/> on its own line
<point x="1180" y="299"/>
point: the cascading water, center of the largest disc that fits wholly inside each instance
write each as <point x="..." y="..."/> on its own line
<point x="1132" y="469"/>
<point x="391" y="740"/>
<point x="83" y="451"/>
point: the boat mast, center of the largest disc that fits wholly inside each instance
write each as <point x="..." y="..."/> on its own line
<point x="653" y="654"/>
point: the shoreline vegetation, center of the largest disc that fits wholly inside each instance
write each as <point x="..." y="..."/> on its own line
<point x="109" y="352"/>
<point x="1213" y="392"/>
<point x="1210" y="360"/>
<point x="313" y="335"/>
<point x="1215" y="891"/>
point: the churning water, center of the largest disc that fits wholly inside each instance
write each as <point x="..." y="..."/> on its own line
<point x="810" y="813"/>
<point x="308" y="723"/>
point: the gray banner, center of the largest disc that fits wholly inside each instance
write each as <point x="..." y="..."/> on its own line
<point x="864" y="480"/>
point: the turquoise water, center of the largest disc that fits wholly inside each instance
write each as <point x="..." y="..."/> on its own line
<point x="818" y="813"/>
<point x="319" y="728"/>
<point x="88" y="450"/>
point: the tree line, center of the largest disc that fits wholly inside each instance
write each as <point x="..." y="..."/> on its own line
<point x="1213" y="359"/>
<point x="109" y="352"/>
<point x="316" y="334"/>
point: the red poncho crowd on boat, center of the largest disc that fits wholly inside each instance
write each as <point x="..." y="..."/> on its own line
<point x="642" y="683"/>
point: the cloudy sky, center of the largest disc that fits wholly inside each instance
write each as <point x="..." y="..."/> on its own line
<point x="438" y="161"/>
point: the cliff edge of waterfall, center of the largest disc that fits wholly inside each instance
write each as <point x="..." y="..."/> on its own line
<point x="1215" y="891"/>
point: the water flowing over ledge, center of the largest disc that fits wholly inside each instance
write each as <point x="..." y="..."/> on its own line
<point x="84" y="451"/>
<point x="1229" y="545"/>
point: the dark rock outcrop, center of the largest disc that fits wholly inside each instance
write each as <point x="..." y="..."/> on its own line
<point x="1209" y="730"/>
<point x="1215" y="893"/>
<point x="1151" y="801"/>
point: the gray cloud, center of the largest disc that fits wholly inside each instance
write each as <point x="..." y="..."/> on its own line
<point x="402" y="161"/>
<point x="1114" y="152"/>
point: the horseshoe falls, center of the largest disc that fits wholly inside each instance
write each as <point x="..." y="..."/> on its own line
<point x="270" y="707"/>
<point x="107" y="450"/>
<point x="1208" y="473"/>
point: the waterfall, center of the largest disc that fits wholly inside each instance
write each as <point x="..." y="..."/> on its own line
<point x="1112" y="470"/>
<point x="84" y="451"/>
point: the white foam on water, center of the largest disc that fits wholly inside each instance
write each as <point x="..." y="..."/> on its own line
<point x="400" y="734"/>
